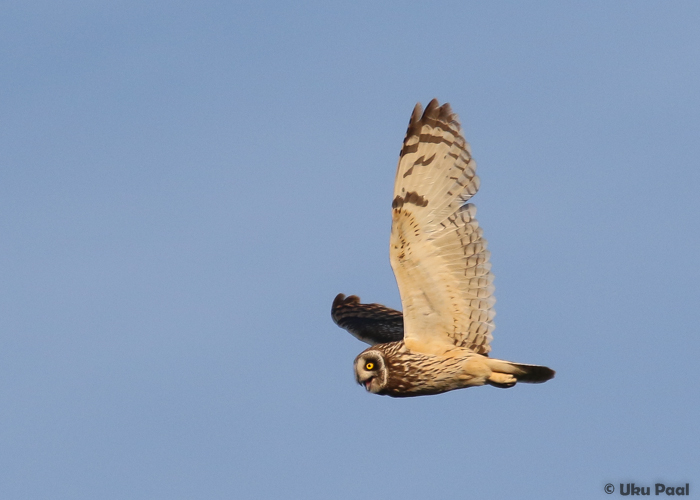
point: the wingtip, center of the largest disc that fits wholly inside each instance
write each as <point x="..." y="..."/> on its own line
<point x="414" y="123"/>
<point x="431" y="107"/>
<point x="340" y="301"/>
<point x="417" y="112"/>
<point x="434" y="112"/>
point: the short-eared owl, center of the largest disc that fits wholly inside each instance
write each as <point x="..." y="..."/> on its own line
<point x="441" y="340"/>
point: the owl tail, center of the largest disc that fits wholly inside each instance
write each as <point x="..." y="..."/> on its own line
<point x="505" y="373"/>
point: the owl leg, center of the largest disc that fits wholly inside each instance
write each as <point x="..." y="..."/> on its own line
<point x="502" y="380"/>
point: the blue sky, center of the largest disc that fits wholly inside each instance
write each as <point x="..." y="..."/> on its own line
<point x="185" y="186"/>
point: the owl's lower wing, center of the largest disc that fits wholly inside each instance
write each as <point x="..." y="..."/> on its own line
<point x="437" y="250"/>
<point x="371" y="323"/>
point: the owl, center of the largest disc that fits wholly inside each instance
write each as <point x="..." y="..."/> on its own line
<point x="440" y="342"/>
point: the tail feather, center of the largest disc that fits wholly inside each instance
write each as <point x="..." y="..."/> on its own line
<point x="531" y="374"/>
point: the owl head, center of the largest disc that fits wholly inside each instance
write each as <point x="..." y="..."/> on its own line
<point x="371" y="370"/>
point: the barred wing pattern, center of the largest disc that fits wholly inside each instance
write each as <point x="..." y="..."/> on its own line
<point x="437" y="250"/>
<point x="370" y="323"/>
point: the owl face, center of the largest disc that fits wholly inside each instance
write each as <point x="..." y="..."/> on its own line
<point x="371" y="371"/>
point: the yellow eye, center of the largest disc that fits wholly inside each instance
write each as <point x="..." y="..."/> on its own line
<point x="369" y="366"/>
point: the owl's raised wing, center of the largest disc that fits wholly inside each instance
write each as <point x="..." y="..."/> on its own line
<point x="370" y="323"/>
<point x="437" y="250"/>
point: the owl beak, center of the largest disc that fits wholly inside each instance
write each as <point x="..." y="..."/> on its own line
<point x="368" y="383"/>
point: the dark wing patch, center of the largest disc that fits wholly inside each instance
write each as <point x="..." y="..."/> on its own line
<point x="411" y="197"/>
<point x="370" y="323"/>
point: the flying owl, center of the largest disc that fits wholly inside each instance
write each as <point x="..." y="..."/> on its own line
<point x="438" y="253"/>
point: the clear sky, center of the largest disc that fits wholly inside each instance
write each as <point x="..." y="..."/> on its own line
<point x="185" y="186"/>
